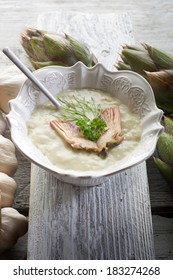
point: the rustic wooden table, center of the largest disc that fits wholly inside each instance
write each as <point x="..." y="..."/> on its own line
<point x="151" y="23"/>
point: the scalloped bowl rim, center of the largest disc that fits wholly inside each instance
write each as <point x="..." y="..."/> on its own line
<point x="152" y="118"/>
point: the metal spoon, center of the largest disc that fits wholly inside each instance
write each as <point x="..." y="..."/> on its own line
<point x="30" y="75"/>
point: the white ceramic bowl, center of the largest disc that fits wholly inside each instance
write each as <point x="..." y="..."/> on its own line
<point x="132" y="89"/>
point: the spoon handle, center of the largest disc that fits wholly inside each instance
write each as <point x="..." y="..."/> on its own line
<point x="30" y="75"/>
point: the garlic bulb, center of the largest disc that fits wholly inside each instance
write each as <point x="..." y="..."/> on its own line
<point x="8" y="160"/>
<point x="12" y="226"/>
<point x="11" y="80"/>
<point x="8" y="189"/>
<point x="2" y="124"/>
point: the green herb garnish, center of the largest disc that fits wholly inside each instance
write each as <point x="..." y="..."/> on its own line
<point x="85" y="114"/>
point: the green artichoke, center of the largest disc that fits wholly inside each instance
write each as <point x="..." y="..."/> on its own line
<point x="164" y="161"/>
<point x="154" y="65"/>
<point x="44" y="49"/>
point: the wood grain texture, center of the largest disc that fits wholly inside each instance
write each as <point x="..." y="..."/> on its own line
<point x="109" y="221"/>
<point x="163" y="238"/>
<point x="151" y="19"/>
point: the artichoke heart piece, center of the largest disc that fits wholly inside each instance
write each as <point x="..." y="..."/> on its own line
<point x="111" y="136"/>
<point x="44" y="49"/>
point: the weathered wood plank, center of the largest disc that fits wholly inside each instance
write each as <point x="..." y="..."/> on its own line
<point x="163" y="237"/>
<point x="109" y="221"/>
<point x="151" y="19"/>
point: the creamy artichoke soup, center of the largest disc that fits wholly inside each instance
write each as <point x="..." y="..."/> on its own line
<point x="61" y="154"/>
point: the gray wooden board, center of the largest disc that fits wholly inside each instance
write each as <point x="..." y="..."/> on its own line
<point x="108" y="221"/>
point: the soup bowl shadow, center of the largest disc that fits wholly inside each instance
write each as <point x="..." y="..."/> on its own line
<point x="132" y="90"/>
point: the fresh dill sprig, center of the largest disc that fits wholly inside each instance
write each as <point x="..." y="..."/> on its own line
<point x="76" y="107"/>
<point x="85" y="114"/>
